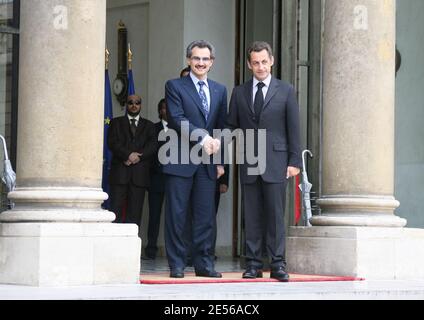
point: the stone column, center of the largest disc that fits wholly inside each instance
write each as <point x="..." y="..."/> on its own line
<point x="358" y="233"/>
<point x="59" y="158"/>
<point x="358" y="115"/>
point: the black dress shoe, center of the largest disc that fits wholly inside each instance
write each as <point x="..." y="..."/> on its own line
<point x="208" y="274"/>
<point x="189" y="263"/>
<point x="280" y="274"/>
<point x="252" y="273"/>
<point x="177" y="274"/>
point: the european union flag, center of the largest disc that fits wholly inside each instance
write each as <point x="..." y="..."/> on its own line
<point x="131" y="89"/>
<point x="107" y="155"/>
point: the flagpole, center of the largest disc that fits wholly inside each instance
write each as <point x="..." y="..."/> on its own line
<point x="108" y="116"/>
<point x="130" y="55"/>
<point x="131" y="87"/>
<point x="107" y="54"/>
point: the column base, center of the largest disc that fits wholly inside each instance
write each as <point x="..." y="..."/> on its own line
<point x="69" y="254"/>
<point x="358" y="211"/>
<point x="366" y="220"/>
<point x="371" y="253"/>
<point x="57" y="204"/>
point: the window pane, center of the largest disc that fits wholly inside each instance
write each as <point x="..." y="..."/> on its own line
<point x="5" y="103"/>
<point x="6" y="12"/>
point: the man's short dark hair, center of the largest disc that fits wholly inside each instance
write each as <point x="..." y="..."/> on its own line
<point x="161" y="103"/>
<point x="259" y="46"/>
<point x="200" y="44"/>
<point x="186" y="69"/>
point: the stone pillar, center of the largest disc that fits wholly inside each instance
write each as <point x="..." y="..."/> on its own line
<point x="358" y="115"/>
<point x="358" y="233"/>
<point x="59" y="158"/>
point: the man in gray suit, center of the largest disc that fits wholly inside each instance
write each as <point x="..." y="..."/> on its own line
<point x="269" y="104"/>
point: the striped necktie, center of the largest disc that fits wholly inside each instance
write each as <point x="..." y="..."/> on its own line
<point x="205" y="105"/>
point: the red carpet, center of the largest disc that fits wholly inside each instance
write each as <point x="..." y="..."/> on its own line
<point x="234" y="277"/>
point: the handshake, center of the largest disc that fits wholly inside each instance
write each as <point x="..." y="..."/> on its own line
<point x="211" y="145"/>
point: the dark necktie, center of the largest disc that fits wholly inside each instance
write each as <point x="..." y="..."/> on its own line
<point x="205" y="105"/>
<point x="259" y="100"/>
<point x="133" y="127"/>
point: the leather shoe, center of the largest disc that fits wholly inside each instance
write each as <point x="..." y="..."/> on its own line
<point x="176" y="274"/>
<point x="280" y="274"/>
<point x="252" y="273"/>
<point x="208" y="274"/>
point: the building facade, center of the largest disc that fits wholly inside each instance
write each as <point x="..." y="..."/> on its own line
<point x="360" y="118"/>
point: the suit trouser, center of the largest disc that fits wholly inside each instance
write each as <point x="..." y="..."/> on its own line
<point x="198" y="192"/>
<point x="215" y="229"/>
<point x="134" y="197"/>
<point x="155" y="211"/>
<point x="188" y="232"/>
<point x="264" y="205"/>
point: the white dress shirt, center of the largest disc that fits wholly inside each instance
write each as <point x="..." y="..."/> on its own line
<point x="137" y="118"/>
<point x="208" y="97"/>
<point x="205" y="87"/>
<point x="165" y="125"/>
<point x="266" y="82"/>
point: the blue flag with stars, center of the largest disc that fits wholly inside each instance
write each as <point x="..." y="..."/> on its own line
<point x="131" y="88"/>
<point x="107" y="155"/>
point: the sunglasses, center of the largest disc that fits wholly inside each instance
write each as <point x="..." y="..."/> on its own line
<point x="131" y="102"/>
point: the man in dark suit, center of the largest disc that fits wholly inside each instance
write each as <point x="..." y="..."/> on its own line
<point x="193" y="102"/>
<point x="156" y="189"/>
<point x="132" y="141"/>
<point x="269" y="104"/>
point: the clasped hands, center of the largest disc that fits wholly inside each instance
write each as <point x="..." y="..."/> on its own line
<point x="134" y="158"/>
<point x="211" y="145"/>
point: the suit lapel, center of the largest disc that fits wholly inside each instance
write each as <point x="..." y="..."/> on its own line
<point x="273" y="88"/>
<point x="214" y="93"/>
<point x="126" y="125"/>
<point x="140" y="126"/>
<point x="191" y="89"/>
<point x="248" y="93"/>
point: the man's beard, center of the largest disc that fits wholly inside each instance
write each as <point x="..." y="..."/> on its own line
<point x="133" y="114"/>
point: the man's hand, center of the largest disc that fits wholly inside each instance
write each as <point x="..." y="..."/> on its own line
<point x="292" y="172"/>
<point x="216" y="145"/>
<point x="220" y="171"/>
<point x="223" y="188"/>
<point x="208" y="145"/>
<point x="211" y="145"/>
<point x="134" y="157"/>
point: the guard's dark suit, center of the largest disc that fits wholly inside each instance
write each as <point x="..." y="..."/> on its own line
<point x="156" y="197"/>
<point x="130" y="183"/>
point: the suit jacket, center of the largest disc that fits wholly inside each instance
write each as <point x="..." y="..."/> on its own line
<point x="280" y="118"/>
<point x="157" y="178"/>
<point x="122" y="144"/>
<point x="184" y="104"/>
